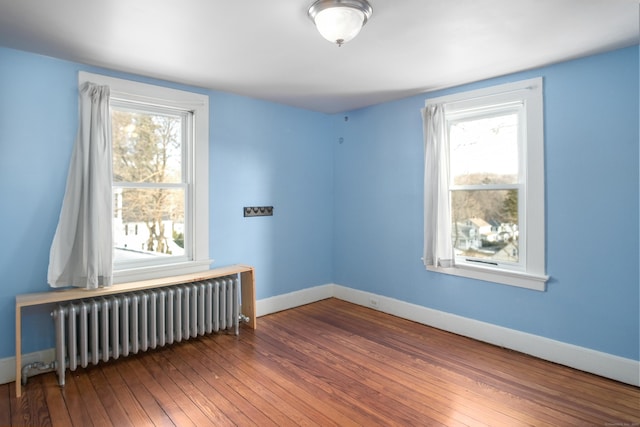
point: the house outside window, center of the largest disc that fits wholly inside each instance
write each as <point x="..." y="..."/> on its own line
<point x="495" y="147"/>
<point x="160" y="179"/>
<point x="486" y="183"/>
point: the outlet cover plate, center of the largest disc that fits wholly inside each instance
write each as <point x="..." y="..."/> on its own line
<point x="257" y="211"/>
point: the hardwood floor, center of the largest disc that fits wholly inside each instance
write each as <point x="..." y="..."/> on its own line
<point x="327" y="363"/>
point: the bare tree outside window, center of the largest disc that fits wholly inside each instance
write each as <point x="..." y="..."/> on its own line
<point x="148" y="190"/>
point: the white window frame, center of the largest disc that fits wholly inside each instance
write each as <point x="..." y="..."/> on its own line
<point x="197" y="176"/>
<point x="531" y="274"/>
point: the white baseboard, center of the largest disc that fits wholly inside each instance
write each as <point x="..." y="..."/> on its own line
<point x="585" y="359"/>
<point x="293" y="299"/>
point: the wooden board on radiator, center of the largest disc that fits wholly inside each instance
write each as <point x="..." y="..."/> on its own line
<point x="247" y="295"/>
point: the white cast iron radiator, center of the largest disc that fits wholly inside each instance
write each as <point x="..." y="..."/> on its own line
<point x="104" y="328"/>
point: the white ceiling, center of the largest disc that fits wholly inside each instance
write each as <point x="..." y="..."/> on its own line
<point x="269" y="49"/>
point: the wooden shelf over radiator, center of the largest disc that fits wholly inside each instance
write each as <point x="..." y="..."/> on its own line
<point x="247" y="295"/>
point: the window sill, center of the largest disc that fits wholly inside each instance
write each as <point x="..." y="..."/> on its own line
<point x="513" y="278"/>
<point x="155" y="272"/>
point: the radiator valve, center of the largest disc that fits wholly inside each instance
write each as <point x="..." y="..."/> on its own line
<point x="40" y="366"/>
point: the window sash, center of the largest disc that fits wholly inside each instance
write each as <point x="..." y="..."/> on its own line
<point x="124" y="105"/>
<point x="455" y="115"/>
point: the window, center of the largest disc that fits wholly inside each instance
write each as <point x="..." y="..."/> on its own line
<point x="160" y="179"/>
<point x="493" y="155"/>
<point x="149" y="186"/>
<point x="485" y="185"/>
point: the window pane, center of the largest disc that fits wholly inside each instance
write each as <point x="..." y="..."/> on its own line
<point x="146" y="147"/>
<point x="485" y="224"/>
<point x="484" y="151"/>
<point x="148" y="223"/>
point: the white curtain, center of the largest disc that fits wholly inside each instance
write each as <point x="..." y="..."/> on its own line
<point x="82" y="251"/>
<point x="438" y="251"/>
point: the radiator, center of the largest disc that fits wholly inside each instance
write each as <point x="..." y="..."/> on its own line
<point x="101" y="329"/>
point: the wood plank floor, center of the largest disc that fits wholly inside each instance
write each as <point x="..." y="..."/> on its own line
<point x="326" y="363"/>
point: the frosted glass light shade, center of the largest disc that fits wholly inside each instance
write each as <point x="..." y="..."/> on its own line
<point x="339" y="24"/>
<point x="340" y="20"/>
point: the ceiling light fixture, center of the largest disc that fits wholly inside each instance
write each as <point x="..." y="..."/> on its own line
<point x="340" y="20"/>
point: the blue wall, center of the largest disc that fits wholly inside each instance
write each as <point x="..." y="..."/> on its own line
<point x="348" y="199"/>
<point x="591" y="152"/>
<point x="261" y="153"/>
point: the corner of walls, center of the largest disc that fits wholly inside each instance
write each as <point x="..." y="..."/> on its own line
<point x="294" y="299"/>
<point x="271" y="155"/>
